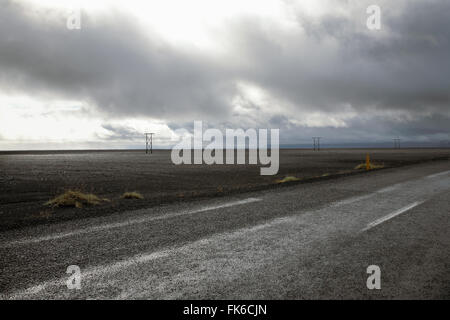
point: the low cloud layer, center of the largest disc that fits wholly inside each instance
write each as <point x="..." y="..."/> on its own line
<point x="324" y="74"/>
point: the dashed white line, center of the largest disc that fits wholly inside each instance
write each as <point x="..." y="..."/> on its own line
<point x="390" y="188"/>
<point x="352" y="200"/>
<point x="391" y="215"/>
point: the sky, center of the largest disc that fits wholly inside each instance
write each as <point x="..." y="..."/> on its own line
<point x="308" y="68"/>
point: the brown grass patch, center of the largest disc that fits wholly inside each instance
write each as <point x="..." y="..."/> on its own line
<point x="371" y="166"/>
<point x="75" y="199"/>
<point x="287" y="179"/>
<point x="132" y="195"/>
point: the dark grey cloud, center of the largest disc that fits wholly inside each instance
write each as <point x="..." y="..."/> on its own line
<point x="325" y="65"/>
<point x="404" y="67"/>
<point x="110" y="63"/>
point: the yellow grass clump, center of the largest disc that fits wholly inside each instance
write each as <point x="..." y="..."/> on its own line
<point x="287" y="179"/>
<point x="132" y="195"/>
<point x="371" y="166"/>
<point x="76" y="199"/>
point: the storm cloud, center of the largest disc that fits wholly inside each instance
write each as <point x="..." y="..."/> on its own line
<point x="328" y="75"/>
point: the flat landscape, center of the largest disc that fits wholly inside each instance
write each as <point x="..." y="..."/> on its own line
<point x="29" y="179"/>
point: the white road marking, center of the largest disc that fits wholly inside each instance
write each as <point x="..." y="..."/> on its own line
<point x="391" y="215"/>
<point x="111" y="268"/>
<point x="102" y="270"/>
<point x="142" y="258"/>
<point x="127" y="223"/>
<point x="62" y="235"/>
<point x="390" y="188"/>
<point x="352" y="200"/>
<point x="89" y="273"/>
<point x="438" y="174"/>
<point x="366" y="196"/>
<point x="165" y="216"/>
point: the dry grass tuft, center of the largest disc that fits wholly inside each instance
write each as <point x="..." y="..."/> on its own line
<point x="132" y="195"/>
<point x="287" y="179"/>
<point x="76" y="199"/>
<point x="371" y="166"/>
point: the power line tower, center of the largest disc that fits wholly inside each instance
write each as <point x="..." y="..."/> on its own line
<point x="396" y="143"/>
<point x="316" y="143"/>
<point x="149" y="141"/>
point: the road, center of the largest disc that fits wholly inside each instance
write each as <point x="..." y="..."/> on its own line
<point x="307" y="241"/>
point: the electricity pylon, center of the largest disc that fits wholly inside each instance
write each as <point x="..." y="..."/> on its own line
<point x="396" y="143"/>
<point x="149" y="141"/>
<point x="316" y="143"/>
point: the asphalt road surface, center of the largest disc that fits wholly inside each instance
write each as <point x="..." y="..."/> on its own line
<point x="308" y="241"/>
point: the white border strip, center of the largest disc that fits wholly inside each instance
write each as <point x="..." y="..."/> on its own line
<point x="391" y="215"/>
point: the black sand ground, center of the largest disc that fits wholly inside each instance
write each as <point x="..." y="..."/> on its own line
<point x="29" y="179"/>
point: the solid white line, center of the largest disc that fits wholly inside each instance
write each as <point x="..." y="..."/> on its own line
<point x="391" y="215"/>
<point x="127" y="223"/>
<point x="438" y="174"/>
